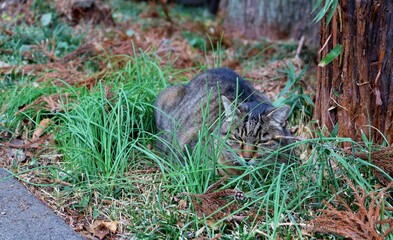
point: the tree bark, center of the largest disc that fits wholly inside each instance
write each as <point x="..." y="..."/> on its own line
<point x="273" y="19"/>
<point x="355" y="91"/>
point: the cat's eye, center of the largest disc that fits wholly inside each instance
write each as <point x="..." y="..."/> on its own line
<point x="262" y="141"/>
<point x="265" y="135"/>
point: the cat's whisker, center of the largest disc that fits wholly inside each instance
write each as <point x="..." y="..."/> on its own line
<point x="289" y="138"/>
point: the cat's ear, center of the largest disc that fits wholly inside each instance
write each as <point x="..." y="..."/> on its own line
<point x="280" y="115"/>
<point x="230" y="110"/>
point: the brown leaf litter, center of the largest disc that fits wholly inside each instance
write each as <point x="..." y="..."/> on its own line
<point x="18" y="11"/>
<point x="26" y="144"/>
<point x="216" y="204"/>
<point x="365" y="222"/>
<point x="382" y="158"/>
<point x="19" y="151"/>
<point x="55" y="72"/>
<point x="50" y="103"/>
<point x="152" y="11"/>
<point x="271" y="79"/>
<point x="93" y="11"/>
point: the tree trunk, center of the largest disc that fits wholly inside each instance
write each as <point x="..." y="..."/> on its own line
<point x="355" y="91"/>
<point x="273" y="19"/>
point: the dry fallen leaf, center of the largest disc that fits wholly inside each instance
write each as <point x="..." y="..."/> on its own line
<point x="112" y="226"/>
<point x="41" y="128"/>
<point x="101" y="228"/>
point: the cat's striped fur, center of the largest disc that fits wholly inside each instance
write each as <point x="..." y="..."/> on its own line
<point x="249" y="124"/>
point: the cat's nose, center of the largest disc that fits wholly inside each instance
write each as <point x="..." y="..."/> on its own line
<point x="248" y="153"/>
<point x="249" y="160"/>
<point x="247" y="156"/>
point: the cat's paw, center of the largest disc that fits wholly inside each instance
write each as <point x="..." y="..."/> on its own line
<point x="239" y="196"/>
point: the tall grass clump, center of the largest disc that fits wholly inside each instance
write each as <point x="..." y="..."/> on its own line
<point x="102" y="130"/>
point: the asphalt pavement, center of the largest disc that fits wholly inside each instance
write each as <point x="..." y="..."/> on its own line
<point x="23" y="216"/>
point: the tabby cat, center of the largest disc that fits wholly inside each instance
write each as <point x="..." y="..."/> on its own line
<point x="249" y="124"/>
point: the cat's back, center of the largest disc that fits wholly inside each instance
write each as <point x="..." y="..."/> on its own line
<point x="223" y="78"/>
<point x="224" y="81"/>
<point x="180" y="109"/>
<point x="211" y="84"/>
<point x="217" y="81"/>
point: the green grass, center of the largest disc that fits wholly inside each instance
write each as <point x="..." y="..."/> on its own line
<point x="103" y="139"/>
<point x="100" y="134"/>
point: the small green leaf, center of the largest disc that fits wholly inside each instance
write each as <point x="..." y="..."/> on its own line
<point x="331" y="55"/>
<point x="316" y="5"/>
<point x="46" y="19"/>
<point x="332" y="10"/>
<point x="130" y="32"/>
<point x="329" y="8"/>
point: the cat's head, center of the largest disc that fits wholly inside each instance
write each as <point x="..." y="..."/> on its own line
<point x="252" y="130"/>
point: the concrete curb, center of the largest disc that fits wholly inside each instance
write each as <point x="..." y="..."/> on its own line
<point x="23" y="216"/>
